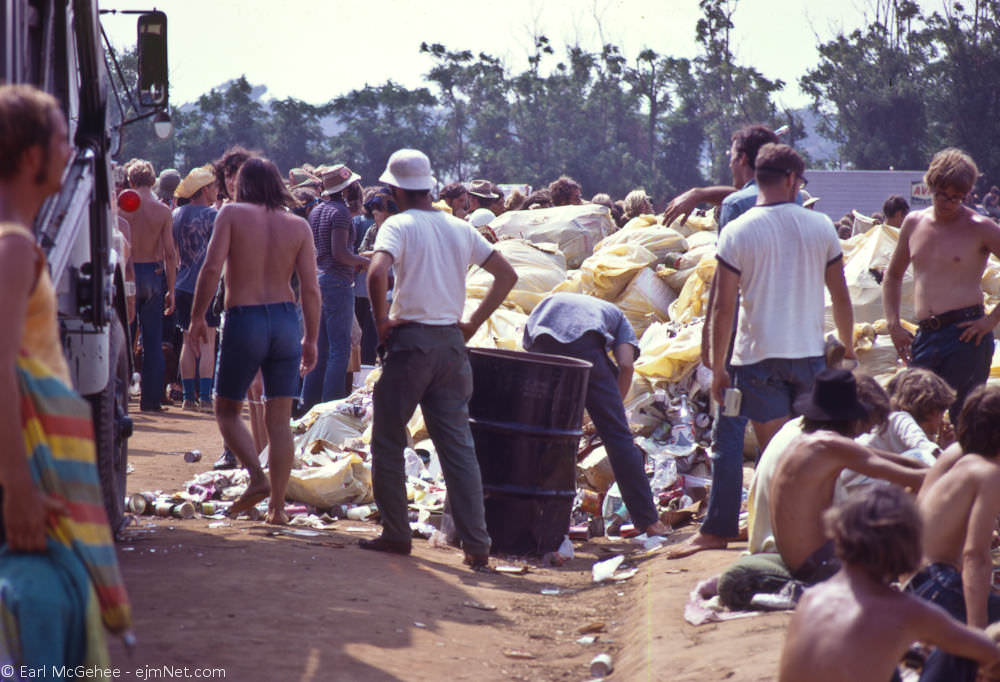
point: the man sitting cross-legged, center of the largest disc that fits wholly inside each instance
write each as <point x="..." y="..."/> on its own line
<point x="805" y="478"/>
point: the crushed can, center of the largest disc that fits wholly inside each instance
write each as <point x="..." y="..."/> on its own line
<point x="601" y="665"/>
<point x="192" y="456"/>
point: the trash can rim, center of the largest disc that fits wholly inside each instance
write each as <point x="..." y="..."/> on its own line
<point x="525" y="356"/>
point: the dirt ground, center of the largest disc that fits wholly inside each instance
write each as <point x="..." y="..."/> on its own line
<point x="261" y="605"/>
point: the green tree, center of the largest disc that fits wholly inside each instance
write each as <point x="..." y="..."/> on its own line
<point x="377" y="120"/>
<point x="870" y="90"/>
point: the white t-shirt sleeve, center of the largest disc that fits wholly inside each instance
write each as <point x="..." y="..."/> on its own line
<point x="390" y="239"/>
<point x="833" y="248"/>
<point x="727" y="251"/>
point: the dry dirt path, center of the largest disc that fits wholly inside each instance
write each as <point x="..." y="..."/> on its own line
<point x="266" y="607"/>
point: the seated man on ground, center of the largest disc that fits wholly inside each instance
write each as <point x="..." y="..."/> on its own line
<point x="959" y="506"/>
<point x="855" y="626"/>
<point x="805" y="478"/>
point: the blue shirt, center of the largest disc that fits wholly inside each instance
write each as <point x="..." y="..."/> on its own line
<point x="192" y="230"/>
<point x="567" y="317"/>
<point x="741" y="201"/>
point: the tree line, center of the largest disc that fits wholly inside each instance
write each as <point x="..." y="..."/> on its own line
<point x="889" y="96"/>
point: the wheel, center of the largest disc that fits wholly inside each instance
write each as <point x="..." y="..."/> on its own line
<point x="112" y="428"/>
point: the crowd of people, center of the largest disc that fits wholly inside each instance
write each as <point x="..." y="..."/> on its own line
<point x="273" y="289"/>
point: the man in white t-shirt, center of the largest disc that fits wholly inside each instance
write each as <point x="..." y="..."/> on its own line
<point x="424" y="359"/>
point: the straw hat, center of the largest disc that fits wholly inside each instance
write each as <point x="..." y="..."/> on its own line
<point x="336" y="178"/>
<point x="195" y="180"/>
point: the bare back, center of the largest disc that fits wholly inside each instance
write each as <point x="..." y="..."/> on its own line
<point x="151" y="230"/>
<point x="956" y="484"/>
<point x="855" y="629"/>
<point x="801" y="490"/>
<point x="803" y="486"/>
<point x="948" y="259"/>
<point x="262" y="252"/>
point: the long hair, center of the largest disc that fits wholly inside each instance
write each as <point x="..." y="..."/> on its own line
<point x="259" y="182"/>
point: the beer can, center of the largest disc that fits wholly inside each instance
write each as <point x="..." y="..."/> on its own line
<point x="192" y="456"/>
<point x="601" y="665"/>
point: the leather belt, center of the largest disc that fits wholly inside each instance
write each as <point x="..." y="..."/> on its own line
<point x="935" y="322"/>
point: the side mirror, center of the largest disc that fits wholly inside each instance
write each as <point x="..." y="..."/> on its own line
<point x="152" y="52"/>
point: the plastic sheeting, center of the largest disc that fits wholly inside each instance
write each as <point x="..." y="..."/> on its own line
<point x="666" y="359"/>
<point x="575" y="229"/>
<point x="606" y="273"/>
<point x="539" y="268"/>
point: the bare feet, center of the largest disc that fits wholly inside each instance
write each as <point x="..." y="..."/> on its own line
<point x="658" y="528"/>
<point x="696" y="543"/>
<point x="276" y="517"/>
<point x="254" y="493"/>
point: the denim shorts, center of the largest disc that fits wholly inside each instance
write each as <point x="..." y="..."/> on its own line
<point x="264" y="337"/>
<point x="771" y="386"/>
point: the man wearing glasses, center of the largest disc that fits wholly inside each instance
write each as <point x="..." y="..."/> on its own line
<point x="779" y="257"/>
<point x="948" y="245"/>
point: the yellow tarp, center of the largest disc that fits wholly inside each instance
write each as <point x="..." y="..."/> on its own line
<point x="693" y="299"/>
<point x="606" y="273"/>
<point x="658" y="240"/>
<point x="664" y="359"/>
<point x="539" y="267"/>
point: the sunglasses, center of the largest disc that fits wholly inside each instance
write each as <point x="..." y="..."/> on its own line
<point x="951" y="198"/>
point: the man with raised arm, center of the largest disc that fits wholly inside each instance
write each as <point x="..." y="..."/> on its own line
<point x="425" y="361"/>
<point x="948" y="245"/>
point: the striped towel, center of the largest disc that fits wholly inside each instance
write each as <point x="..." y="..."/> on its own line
<point x="59" y="440"/>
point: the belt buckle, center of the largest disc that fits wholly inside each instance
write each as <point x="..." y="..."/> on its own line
<point x="932" y="323"/>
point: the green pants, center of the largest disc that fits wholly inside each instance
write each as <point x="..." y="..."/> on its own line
<point x="428" y="366"/>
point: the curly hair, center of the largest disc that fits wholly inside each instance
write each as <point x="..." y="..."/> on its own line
<point x="27" y="119"/>
<point x="977" y="431"/>
<point x="562" y="190"/>
<point x="140" y="173"/>
<point x="229" y="164"/>
<point x="951" y="168"/>
<point x="749" y="139"/>
<point x="920" y="392"/>
<point x="877" y="529"/>
<point x="636" y="203"/>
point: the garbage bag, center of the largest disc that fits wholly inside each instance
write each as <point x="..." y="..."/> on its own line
<point x="335" y="422"/>
<point x="346" y="481"/>
<point x="607" y="273"/>
<point x="657" y="239"/>
<point x="666" y="359"/>
<point x="576" y="229"/>
<point x="503" y="329"/>
<point x="693" y="299"/>
<point x="871" y="251"/>
<point x="539" y="267"/>
<point x="645" y="300"/>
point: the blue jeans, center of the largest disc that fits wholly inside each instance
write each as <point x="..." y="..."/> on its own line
<point x="428" y="366"/>
<point x="941" y="584"/>
<point x="769" y="388"/>
<point x="328" y="379"/>
<point x="150" y="287"/>
<point x="604" y="405"/>
<point x="264" y="337"/>
<point x="963" y="364"/>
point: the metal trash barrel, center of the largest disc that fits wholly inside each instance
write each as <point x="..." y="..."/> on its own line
<point x="525" y="413"/>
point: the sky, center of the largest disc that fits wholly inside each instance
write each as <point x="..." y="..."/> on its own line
<point x="318" y="50"/>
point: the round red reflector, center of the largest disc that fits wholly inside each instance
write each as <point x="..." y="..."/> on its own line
<point x="129" y="201"/>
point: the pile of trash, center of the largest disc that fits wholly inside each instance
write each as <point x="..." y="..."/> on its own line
<point x="660" y="278"/>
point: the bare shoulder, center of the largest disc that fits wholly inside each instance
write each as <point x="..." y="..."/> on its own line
<point x="915" y="219"/>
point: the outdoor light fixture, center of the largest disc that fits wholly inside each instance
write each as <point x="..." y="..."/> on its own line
<point x="162" y="125"/>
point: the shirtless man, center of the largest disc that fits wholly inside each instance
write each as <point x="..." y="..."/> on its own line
<point x="155" y="261"/>
<point x="261" y="245"/>
<point x="855" y="627"/>
<point x="959" y="506"/>
<point x="805" y="478"/>
<point x="948" y="245"/>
